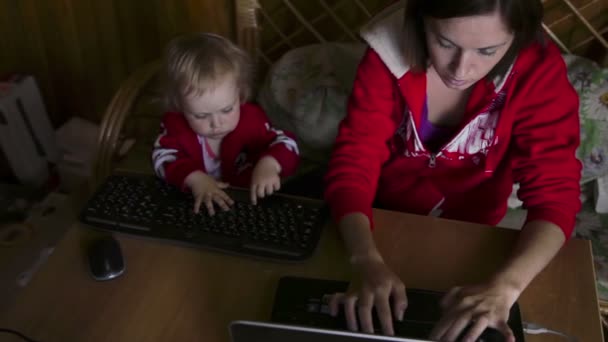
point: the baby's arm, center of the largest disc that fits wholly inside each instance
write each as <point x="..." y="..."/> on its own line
<point x="175" y="165"/>
<point x="206" y="190"/>
<point x="276" y="143"/>
<point x="279" y="158"/>
<point x="283" y="148"/>
<point x="265" y="178"/>
<point x="169" y="157"/>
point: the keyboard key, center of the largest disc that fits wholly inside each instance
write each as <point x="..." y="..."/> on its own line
<point x="312" y="307"/>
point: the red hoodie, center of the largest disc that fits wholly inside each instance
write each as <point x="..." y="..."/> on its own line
<point x="525" y="130"/>
<point x="178" y="152"/>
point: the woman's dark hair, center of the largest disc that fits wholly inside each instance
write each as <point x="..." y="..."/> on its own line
<point x="522" y="17"/>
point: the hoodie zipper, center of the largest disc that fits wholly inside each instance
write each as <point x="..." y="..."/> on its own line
<point x="433" y="160"/>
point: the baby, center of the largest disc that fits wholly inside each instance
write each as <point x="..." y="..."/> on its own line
<point x="211" y="136"/>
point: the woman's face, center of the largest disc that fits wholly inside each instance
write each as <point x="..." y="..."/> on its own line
<point x="464" y="50"/>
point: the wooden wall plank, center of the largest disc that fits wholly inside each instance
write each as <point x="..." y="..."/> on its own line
<point x="34" y="44"/>
<point x="80" y="51"/>
<point x="109" y="56"/>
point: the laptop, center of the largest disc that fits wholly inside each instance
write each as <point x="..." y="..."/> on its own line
<point x="250" y="331"/>
<point x="300" y="308"/>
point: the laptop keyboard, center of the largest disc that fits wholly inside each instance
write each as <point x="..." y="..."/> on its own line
<point x="303" y="301"/>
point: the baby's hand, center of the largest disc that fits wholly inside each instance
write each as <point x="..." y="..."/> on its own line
<point x="206" y="189"/>
<point x="265" y="178"/>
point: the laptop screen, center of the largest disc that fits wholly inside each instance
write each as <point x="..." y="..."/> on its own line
<point x="249" y="331"/>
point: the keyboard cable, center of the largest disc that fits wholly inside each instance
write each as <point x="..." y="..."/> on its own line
<point x="535" y="329"/>
<point x="18" y="334"/>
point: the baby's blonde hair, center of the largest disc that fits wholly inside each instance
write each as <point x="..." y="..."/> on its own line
<point x="194" y="63"/>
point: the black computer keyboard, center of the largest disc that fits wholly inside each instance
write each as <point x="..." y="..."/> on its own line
<point x="279" y="227"/>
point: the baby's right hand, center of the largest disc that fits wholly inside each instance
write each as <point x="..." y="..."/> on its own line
<point x="206" y="189"/>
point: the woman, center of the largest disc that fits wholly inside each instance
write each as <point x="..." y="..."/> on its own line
<point x="453" y="103"/>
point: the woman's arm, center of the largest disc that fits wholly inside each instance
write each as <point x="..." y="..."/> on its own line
<point x="538" y="242"/>
<point x="361" y="146"/>
<point x="545" y="137"/>
<point x="374" y="284"/>
<point x="357" y="235"/>
<point x="489" y="304"/>
<point x="359" y="152"/>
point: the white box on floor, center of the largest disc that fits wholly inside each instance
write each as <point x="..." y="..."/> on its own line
<point x="27" y="137"/>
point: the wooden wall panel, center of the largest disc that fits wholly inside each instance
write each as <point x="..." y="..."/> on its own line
<point x="81" y="50"/>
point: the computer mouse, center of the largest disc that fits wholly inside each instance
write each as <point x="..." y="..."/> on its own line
<point x="105" y="259"/>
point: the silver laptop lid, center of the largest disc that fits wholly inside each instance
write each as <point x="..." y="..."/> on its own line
<point x="250" y="331"/>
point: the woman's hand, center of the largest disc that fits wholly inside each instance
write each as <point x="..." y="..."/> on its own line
<point x="488" y="305"/>
<point x="265" y="178"/>
<point x="479" y="306"/>
<point x="374" y="286"/>
<point x="206" y="189"/>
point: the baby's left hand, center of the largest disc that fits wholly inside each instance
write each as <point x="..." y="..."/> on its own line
<point x="265" y="178"/>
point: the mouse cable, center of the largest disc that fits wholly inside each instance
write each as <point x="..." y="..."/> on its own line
<point x="15" y="332"/>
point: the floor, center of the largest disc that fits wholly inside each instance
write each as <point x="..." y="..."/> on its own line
<point x="32" y="243"/>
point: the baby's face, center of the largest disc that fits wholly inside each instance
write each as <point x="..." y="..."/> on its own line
<point x="216" y="112"/>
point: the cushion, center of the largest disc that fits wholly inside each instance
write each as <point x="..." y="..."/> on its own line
<point x="306" y="92"/>
<point x="591" y="83"/>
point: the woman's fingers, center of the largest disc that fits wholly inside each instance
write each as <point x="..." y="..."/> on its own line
<point x="506" y="331"/>
<point x="383" y="310"/>
<point x="449" y="297"/>
<point x="349" y="312"/>
<point x="399" y="301"/>
<point x="364" y="311"/>
<point x="358" y="308"/>
<point x="476" y="329"/>
<point x="334" y="303"/>
<point x="469" y="311"/>
<point x="457" y="326"/>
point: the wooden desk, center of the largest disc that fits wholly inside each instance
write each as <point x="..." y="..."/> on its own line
<point x="171" y="293"/>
